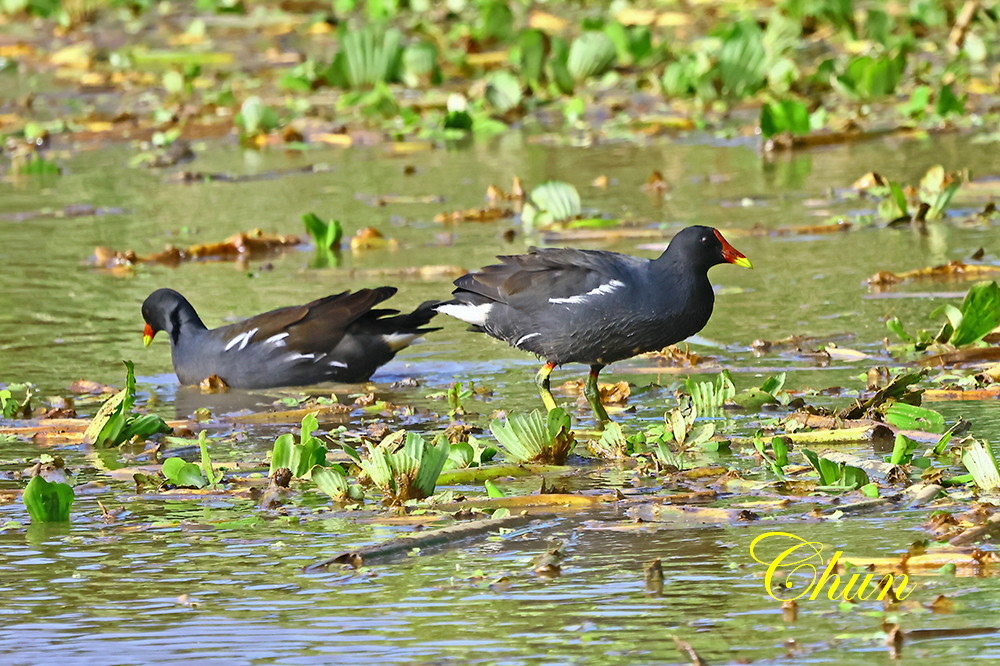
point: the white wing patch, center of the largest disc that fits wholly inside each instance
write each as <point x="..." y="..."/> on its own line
<point x="277" y="340"/>
<point x="525" y="337"/>
<point x="470" y="314"/>
<point x="601" y="290"/>
<point x="240" y="341"/>
<point x="294" y="356"/>
<point x="337" y="364"/>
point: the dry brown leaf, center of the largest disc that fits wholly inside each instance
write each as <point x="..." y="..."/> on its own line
<point x="244" y="245"/>
<point x="952" y="271"/>
<point x="868" y="181"/>
<point x="213" y="384"/>
<point x="546" y="22"/>
<point x="91" y="387"/>
<point x="370" y="238"/>
<point x="488" y="214"/>
<point x="655" y="184"/>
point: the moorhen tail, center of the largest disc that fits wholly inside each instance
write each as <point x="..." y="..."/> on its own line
<point x="593" y="306"/>
<point x="339" y="338"/>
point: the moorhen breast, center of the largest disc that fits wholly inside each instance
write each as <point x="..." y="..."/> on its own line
<point x="594" y="306"/>
<point x="339" y="338"/>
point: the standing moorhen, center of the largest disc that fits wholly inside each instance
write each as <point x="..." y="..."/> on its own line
<point x="593" y="306"/>
<point x="339" y="338"/>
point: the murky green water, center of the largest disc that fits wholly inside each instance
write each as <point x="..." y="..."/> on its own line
<point x="109" y="593"/>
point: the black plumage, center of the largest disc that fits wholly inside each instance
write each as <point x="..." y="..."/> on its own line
<point x="339" y="338"/>
<point x="591" y="306"/>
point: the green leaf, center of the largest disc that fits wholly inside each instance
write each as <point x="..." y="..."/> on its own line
<point x="144" y="426"/>
<point x="255" y="117"/>
<point x="911" y="417"/>
<point x="369" y="56"/>
<point x="332" y="480"/>
<point x="495" y="21"/>
<point x="789" y="116"/>
<point x="492" y="490"/>
<point x="324" y="234"/>
<point x="901" y="450"/>
<point x="979" y="458"/>
<point x="898" y="197"/>
<point x="207" y="469"/>
<point x="869" y="490"/>
<point x="559" y="53"/>
<point x="551" y="202"/>
<point x="591" y="54"/>
<point x="530" y="438"/>
<point x="461" y="456"/>
<point x="779" y="445"/>
<point x="420" y="64"/>
<point x="47" y="502"/>
<point x="980" y="314"/>
<point x="948" y="103"/>
<point x="182" y="473"/>
<point x="299" y="457"/>
<point x="919" y="99"/>
<point x="743" y="60"/>
<point x="895" y="326"/>
<point x="706" y="396"/>
<point x="503" y="91"/>
<point x="531" y="48"/>
<point x="108" y="425"/>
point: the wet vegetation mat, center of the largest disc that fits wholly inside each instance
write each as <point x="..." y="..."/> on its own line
<point x="812" y="479"/>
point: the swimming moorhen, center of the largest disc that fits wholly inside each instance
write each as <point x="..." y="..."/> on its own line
<point x="339" y="338"/>
<point x="594" y="306"/>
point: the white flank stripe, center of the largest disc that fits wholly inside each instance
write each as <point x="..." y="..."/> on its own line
<point x="470" y="314"/>
<point x="294" y="356"/>
<point x="397" y="341"/>
<point x="242" y="339"/>
<point x="337" y="364"/>
<point x="606" y="288"/>
<point x="277" y="340"/>
<point x="526" y="337"/>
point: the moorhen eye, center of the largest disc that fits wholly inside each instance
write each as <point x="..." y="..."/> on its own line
<point x="593" y="306"/>
<point x="339" y="338"/>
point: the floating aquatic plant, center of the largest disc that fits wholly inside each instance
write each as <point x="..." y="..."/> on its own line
<point x="591" y="54"/>
<point x="404" y="465"/>
<point x="967" y="324"/>
<point x="368" y="56"/>
<point x="190" y="475"/>
<point x="981" y="461"/>
<point x="299" y="456"/>
<point x="833" y="474"/>
<point x="115" y="423"/>
<point x="550" y="203"/>
<point x="48" y="502"/>
<point x="534" y="437"/>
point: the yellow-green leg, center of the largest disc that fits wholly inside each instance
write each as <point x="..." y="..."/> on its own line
<point x="542" y="381"/>
<point x="593" y="394"/>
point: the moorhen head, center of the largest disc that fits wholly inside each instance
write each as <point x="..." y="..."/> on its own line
<point x="339" y="338"/>
<point x="593" y="306"/>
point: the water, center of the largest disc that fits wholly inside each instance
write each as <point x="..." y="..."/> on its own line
<point x="113" y="593"/>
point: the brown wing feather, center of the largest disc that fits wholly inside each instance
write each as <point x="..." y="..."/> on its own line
<point x="319" y="324"/>
<point x="327" y="319"/>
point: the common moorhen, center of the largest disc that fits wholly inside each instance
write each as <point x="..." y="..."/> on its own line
<point x="593" y="306"/>
<point x="339" y="338"/>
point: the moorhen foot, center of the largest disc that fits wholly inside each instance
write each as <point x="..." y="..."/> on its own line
<point x="593" y="306"/>
<point x="339" y="338"/>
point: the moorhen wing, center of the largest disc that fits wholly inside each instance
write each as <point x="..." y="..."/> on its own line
<point x="339" y="338"/>
<point x="594" y="306"/>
